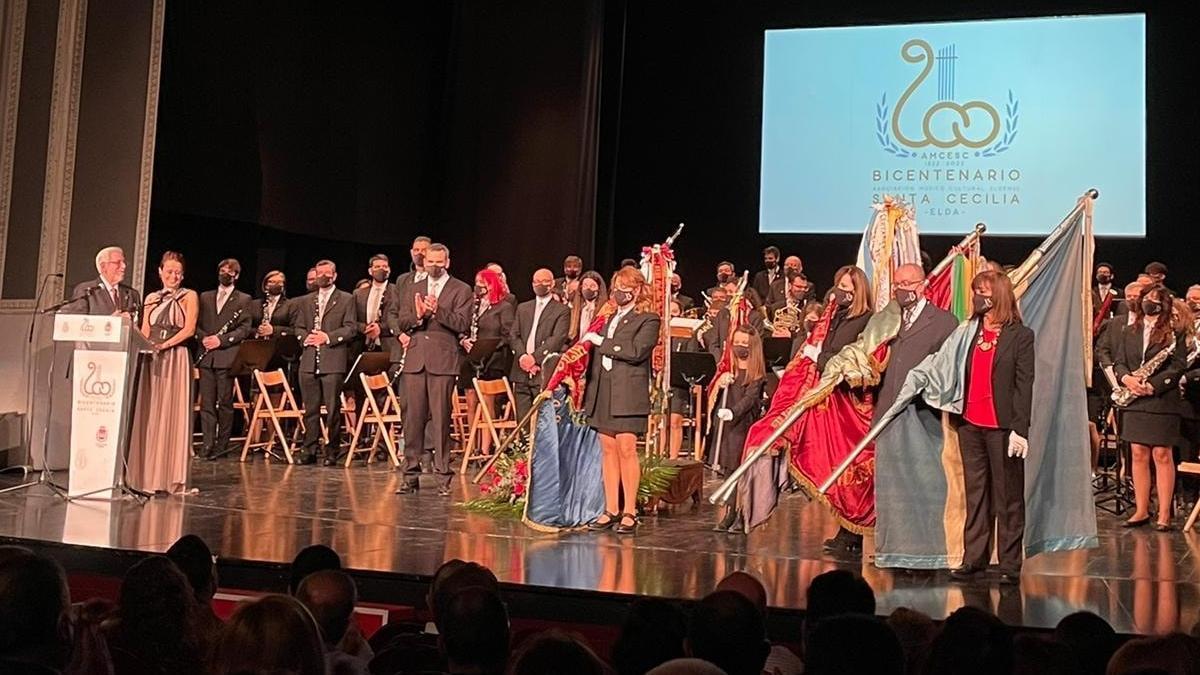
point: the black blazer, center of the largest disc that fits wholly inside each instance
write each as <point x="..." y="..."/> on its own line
<point x="339" y="322"/>
<point x="1012" y="376"/>
<point x="762" y="283"/>
<point x="360" y="309"/>
<point x="281" y="316"/>
<point x="551" y="336"/>
<point x="630" y="349"/>
<point x="210" y="323"/>
<point x="1128" y="355"/>
<point x="745" y="401"/>
<point x="434" y="347"/>
<point x="90" y="297"/>
<point x="930" y="329"/>
<point x="842" y="331"/>
<point x="496" y="322"/>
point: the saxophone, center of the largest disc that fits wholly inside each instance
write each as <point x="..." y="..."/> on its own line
<point x="1122" y="396"/>
<point x="224" y="329"/>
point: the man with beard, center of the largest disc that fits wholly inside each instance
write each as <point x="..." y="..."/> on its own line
<point x="768" y="274"/>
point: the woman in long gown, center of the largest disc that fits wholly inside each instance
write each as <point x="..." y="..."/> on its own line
<point x="162" y="447"/>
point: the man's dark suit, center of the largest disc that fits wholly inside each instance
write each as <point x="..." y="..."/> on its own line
<point x="431" y="366"/>
<point x="763" y="281"/>
<point x="92" y="297"/>
<point x="323" y="368"/>
<point x="216" y="384"/>
<point x="385" y="334"/>
<point x="912" y="344"/>
<point x="551" y="338"/>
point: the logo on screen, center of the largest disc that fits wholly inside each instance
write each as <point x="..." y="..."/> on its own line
<point x="975" y="126"/>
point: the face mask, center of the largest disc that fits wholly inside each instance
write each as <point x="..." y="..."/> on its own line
<point x="843" y="298"/>
<point x="622" y="298"/>
<point x="311" y="285"/>
<point x="1151" y="308"/>
<point x="435" y="271"/>
<point x="724" y="277"/>
<point x="1103" y="278"/>
<point x="541" y="290"/>
<point x="741" y="352"/>
<point x="481" y="291"/>
<point x="571" y="273"/>
<point x="324" y="281"/>
<point x="380" y="275"/>
<point x="980" y="304"/>
<point x="589" y="294"/>
<point x="771" y="264"/>
<point x="274" y="289"/>
<point x="906" y="298"/>
<point x="225" y="278"/>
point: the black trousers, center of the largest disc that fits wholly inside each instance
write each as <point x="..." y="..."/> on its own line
<point x="317" y="390"/>
<point x="428" y="402"/>
<point x="525" y="391"/>
<point x="995" y="492"/>
<point x="216" y="409"/>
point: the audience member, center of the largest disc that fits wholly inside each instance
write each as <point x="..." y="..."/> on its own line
<point x="1043" y="655"/>
<point x="915" y="632"/>
<point x="330" y="596"/>
<point x="781" y="660"/>
<point x="156" y="627"/>
<point x="473" y="632"/>
<point x="971" y="641"/>
<point x="728" y="631"/>
<point x="853" y="644"/>
<point x="554" y="651"/>
<point x="274" y="634"/>
<point x="833" y="593"/>
<point x="1175" y="654"/>
<point x="1091" y="640"/>
<point x="193" y="557"/>
<point x="686" y="666"/>
<point x="311" y="559"/>
<point x="34" y="635"/>
<point x="652" y="634"/>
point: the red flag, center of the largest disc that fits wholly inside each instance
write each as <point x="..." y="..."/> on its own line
<point x="938" y="287"/>
<point x="573" y="364"/>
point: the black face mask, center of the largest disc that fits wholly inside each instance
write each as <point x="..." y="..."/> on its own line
<point x="589" y="294"/>
<point x="436" y="271"/>
<point x="906" y="298"/>
<point x="980" y="304"/>
<point x="1151" y="308"/>
<point x="1103" y="278"/>
<point x="481" y="291"/>
<point x="541" y="290"/>
<point x="324" y="281"/>
<point x="770" y="264"/>
<point x="225" y="278"/>
<point x="274" y="289"/>
<point x="622" y="298"/>
<point x="381" y="275"/>
<point x="741" y="352"/>
<point x="724" y="277"/>
<point x="571" y="273"/>
<point x="843" y="298"/>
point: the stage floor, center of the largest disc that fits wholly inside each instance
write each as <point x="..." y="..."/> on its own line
<point x="1141" y="581"/>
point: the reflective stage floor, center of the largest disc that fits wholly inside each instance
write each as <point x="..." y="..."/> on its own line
<point x="1141" y="581"/>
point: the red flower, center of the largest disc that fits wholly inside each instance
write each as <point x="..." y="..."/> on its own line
<point x="519" y="489"/>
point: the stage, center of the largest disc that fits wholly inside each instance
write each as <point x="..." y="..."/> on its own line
<point x="256" y="516"/>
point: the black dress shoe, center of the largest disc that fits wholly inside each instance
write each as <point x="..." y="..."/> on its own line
<point x="1136" y="523"/>
<point x="330" y="460"/>
<point x="726" y="522"/>
<point x="596" y="525"/>
<point x="408" y="488"/>
<point x="964" y="573"/>
<point x="305" y="458"/>
<point x="1163" y="527"/>
<point x="1010" y="578"/>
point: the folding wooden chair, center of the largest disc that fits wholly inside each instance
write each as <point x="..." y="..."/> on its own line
<point x="487" y="391"/>
<point x="458" y="417"/>
<point x="274" y="404"/>
<point x="386" y="418"/>
<point x="1192" y="468"/>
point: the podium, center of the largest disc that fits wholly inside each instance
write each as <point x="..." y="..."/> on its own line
<point x="105" y="366"/>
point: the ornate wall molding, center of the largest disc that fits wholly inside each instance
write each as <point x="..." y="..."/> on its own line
<point x="148" y="133"/>
<point x="13" y="24"/>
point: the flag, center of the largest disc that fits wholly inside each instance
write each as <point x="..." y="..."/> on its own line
<point x="571" y="370"/>
<point x="890" y="240"/>
<point x="1052" y="287"/>
<point x="950" y="287"/>
<point x="565" y="488"/>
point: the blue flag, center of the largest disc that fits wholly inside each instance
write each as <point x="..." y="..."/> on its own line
<point x="565" y="487"/>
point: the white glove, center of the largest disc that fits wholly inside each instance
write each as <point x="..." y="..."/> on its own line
<point x="812" y="352"/>
<point x="724" y="414"/>
<point x="593" y="338"/>
<point x="1017" y="445"/>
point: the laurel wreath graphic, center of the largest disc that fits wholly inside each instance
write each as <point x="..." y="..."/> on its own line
<point x="1011" y="118"/>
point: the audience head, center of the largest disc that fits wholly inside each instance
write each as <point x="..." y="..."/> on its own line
<point x="272" y="634"/>
<point x="330" y="596"/>
<point x="310" y="280"/>
<point x="686" y="666"/>
<point x="853" y="644"/>
<point x="170" y="269"/>
<point x="379" y="268"/>
<point x="437" y="260"/>
<point x="33" y="601"/>
<point x="157" y="613"/>
<point x="417" y="252"/>
<point x="838" y="592"/>
<point x="729" y="631"/>
<point x="652" y="634"/>
<point x="274" y="283"/>
<point x="1104" y="273"/>
<point x="453" y="577"/>
<point x="1156" y="271"/>
<point x="543" y="282"/>
<point x="193" y="557"/>
<point x="110" y="263"/>
<point x="473" y="630"/>
<point x="971" y="641"/>
<point x="1175" y="654"/>
<point x="915" y="631"/>
<point x="771" y="257"/>
<point x="572" y="267"/>
<point x="553" y="652"/>
<point x="311" y="559"/>
<point x="1040" y="654"/>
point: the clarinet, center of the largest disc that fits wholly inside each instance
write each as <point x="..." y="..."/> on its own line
<point x="224" y="329"/>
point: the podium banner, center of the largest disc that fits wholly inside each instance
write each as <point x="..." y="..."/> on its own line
<point x="98" y="384"/>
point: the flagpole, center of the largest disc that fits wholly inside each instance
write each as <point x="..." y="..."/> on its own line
<point x="723" y="493"/>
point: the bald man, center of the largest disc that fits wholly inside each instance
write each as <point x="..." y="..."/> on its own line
<point x="539" y="331"/>
<point x="330" y="596"/>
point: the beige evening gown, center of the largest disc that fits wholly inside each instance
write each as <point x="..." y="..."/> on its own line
<point x="161" y="449"/>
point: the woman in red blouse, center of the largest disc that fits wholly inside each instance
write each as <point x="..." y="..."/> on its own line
<point x="993" y="429"/>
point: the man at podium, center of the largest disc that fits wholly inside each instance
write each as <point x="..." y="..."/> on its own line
<point x="107" y="295"/>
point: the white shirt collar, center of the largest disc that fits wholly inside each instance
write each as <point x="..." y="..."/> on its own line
<point x="378" y="285"/>
<point x="324" y="293"/>
<point x="917" y="309"/>
<point x="107" y="286"/>
<point x="544" y="300"/>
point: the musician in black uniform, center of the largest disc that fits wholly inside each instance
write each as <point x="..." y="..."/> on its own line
<point x="741" y="408"/>
<point x="226" y="318"/>
<point x="271" y="314"/>
<point x="491" y="319"/>
<point x="326" y="323"/>
<point x="1150" y="423"/>
<point x="539" y="330"/>
<point x="370" y="303"/>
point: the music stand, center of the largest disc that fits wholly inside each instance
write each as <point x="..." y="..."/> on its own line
<point x="777" y="351"/>
<point x="689" y="369"/>
<point x="481" y="351"/>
